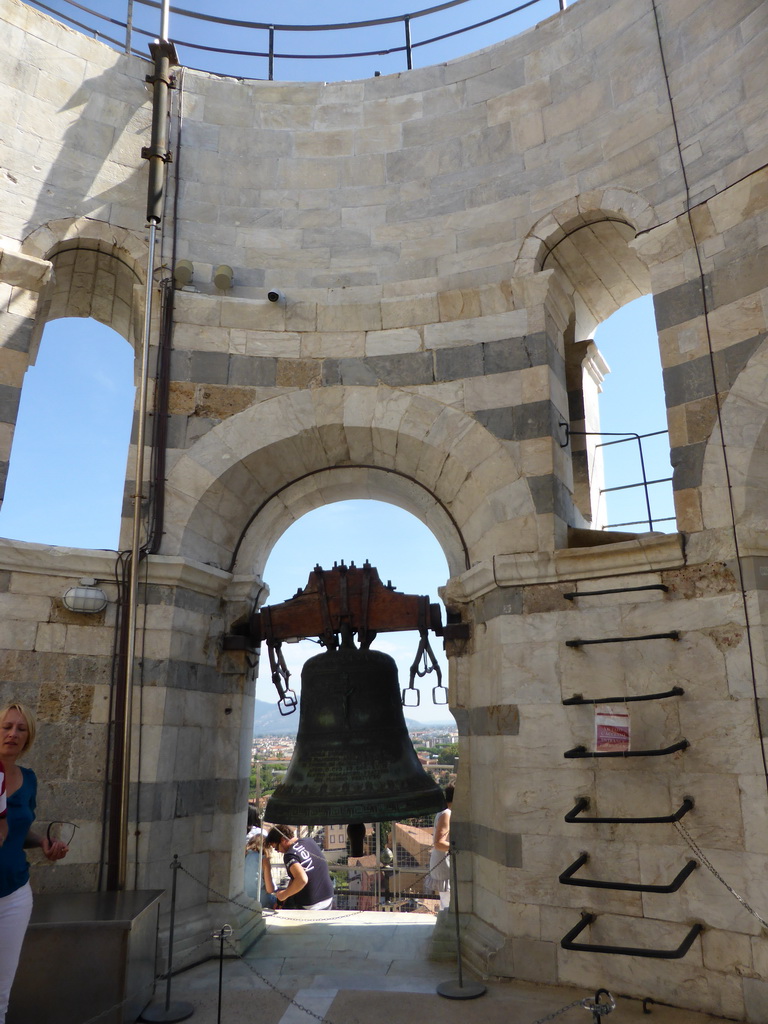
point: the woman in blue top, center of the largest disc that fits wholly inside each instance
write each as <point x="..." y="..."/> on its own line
<point x="17" y="731"/>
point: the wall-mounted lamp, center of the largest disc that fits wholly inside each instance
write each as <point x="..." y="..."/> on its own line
<point x="86" y="599"/>
<point x="183" y="273"/>
<point x="275" y="295"/>
<point x="223" y="277"/>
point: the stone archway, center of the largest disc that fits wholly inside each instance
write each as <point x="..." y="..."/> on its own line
<point x="74" y="267"/>
<point x="426" y="457"/>
<point x="599" y="226"/>
<point x="587" y="246"/>
<point x="234" y="492"/>
<point x="98" y="271"/>
<point x="325" y="486"/>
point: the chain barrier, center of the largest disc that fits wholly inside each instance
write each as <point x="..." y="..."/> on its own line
<point x="188" y="951"/>
<point x="208" y="888"/>
<point x="556" y="1013"/>
<point x="707" y="864"/>
<point x="596" y="1008"/>
<point x="291" y="1002"/>
<point x="158" y="977"/>
<point x="224" y="934"/>
<point x="273" y="913"/>
<point x="106" y="1013"/>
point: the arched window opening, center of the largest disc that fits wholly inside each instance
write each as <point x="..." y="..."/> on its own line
<point x="68" y="460"/>
<point x="631" y="471"/>
<point x="389" y="874"/>
<point x="617" y="429"/>
<point x="596" y="266"/>
<point x="401" y="548"/>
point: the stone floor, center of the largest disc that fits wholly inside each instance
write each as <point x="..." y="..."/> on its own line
<point x="370" y="968"/>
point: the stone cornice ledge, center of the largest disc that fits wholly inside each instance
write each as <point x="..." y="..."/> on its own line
<point x="173" y="571"/>
<point x="22" y="271"/>
<point x="52" y="560"/>
<point x="648" y="553"/>
<point x="165" y="570"/>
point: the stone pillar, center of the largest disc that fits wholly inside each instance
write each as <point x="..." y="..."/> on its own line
<point x="585" y="372"/>
<point x="538" y="422"/>
<point x="193" y="715"/>
<point x="21" y="280"/>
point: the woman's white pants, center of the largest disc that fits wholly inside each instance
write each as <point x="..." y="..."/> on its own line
<point x="15" y="911"/>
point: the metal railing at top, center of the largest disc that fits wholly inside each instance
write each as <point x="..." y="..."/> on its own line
<point x="215" y="43"/>
<point x="629" y="437"/>
<point x="397" y="883"/>
<point x="643" y="483"/>
<point x="364" y="884"/>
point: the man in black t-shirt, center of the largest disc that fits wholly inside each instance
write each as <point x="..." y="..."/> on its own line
<point x="310" y="881"/>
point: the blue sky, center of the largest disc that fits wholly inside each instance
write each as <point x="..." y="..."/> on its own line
<point x="364" y="40"/>
<point x="311" y="44"/>
<point x="633" y="400"/>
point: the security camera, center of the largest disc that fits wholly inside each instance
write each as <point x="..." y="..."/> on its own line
<point x="275" y="295"/>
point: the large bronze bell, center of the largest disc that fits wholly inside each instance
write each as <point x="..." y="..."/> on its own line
<point x="353" y="760"/>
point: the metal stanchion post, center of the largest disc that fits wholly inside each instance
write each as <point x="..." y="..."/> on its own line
<point x="225" y="932"/>
<point x="460" y="989"/>
<point x="170" y="1012"/>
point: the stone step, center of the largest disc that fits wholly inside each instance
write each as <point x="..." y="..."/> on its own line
<point x="442" y="946"/>
<point x="480" y="943"/>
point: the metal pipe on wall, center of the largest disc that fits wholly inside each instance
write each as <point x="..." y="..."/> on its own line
<point x="163" y="53"/>
<point x="164" y="16"/>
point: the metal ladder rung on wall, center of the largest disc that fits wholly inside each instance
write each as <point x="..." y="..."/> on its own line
<point x="575" y="816"/>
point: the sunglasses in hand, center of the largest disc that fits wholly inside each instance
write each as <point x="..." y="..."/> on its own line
<point x="61" y="831"/>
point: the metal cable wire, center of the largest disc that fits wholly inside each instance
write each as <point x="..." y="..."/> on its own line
<point x="707" y="864"/>
<point x="716" y="390"/>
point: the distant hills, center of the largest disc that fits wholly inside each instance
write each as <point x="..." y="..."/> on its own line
<point x="267" y="721"/>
